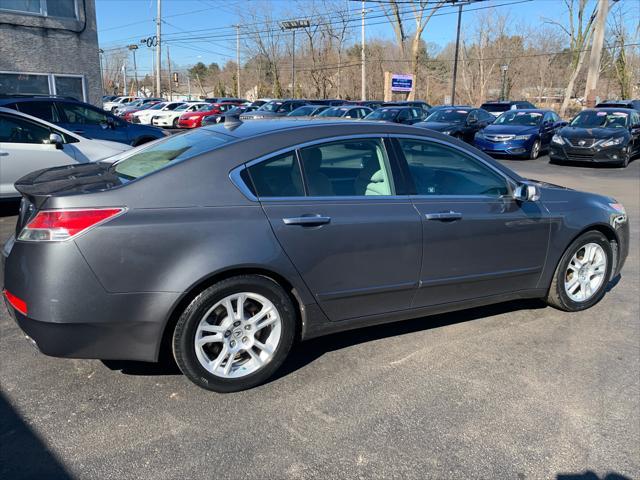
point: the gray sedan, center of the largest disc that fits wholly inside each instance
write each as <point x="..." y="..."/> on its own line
<point x="225" y="245"/>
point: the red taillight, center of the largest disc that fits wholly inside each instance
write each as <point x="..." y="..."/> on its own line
<point x="59" y="225"/>
<point x="17" y="303"/>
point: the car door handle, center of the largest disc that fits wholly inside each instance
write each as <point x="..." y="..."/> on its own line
<point x="307" y="221"/>
<point x="444" y="216"/>
<point x="3" y="154"/>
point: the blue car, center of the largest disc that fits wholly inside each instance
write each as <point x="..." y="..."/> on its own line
<point x="519" y="133"/>
<point x="83" y="119"/>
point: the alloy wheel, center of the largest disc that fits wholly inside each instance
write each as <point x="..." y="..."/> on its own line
<point x="585" y="272"/>
<point x="238" y="335"/>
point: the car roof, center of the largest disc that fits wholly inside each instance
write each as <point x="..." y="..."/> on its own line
<point x="610" y="109"/>
<point x="531" y="110"/>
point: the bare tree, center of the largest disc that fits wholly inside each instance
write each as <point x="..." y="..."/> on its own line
<point x="399" y="15"/>
<point x="579" y="28"/>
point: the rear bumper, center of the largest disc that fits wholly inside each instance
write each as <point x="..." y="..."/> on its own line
<point x="70" y="314"/>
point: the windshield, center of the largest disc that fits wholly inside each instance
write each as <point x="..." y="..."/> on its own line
<point x="600" y="119"/>
<point x="302" y="111"/>
<point x="449" y="115"/>
<point x="383" y="114"/>
<point x="496" y="107"/>
<point x="135" y="103"/>
<point x="270" y="106"/>
<point x="157" y="106"/>
<point x="172" y="149"/>
<point x="182" y="107"/>
<point x="334" y="112"/>
<point x="529" y="119"/>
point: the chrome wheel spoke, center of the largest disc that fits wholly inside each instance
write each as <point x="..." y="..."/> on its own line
<point x="218" y="361"/>
<point x="266" y="323"/>
<point x="263" y="347"/>
<point x="209" y="339"/>
<point x="585" y="273"/>
<point x="255" y="356"/>
<point x="210" y="328"/>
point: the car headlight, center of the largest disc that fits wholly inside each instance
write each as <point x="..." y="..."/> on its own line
<point x="479" y="135"/>
<point x="522" y="137"/>
<point x="193" y="117"/>
<point x="446" y="132"/>
<point x="613" y="141"/>
<point x="557" y="139"/>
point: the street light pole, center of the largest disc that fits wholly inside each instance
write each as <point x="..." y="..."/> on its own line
<point x="158" y="48"/>
<point x="101" y="54"/>
<point x="293" y="25"/>
<point x="503" y="92"/>
<point x="237" y="60"/>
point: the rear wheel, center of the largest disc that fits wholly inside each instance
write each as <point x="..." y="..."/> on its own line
<point x="235" y="334"/>
<point x="582" y="274"/>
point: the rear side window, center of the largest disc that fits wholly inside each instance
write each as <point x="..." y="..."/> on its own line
<point x="440" y="170"/>
<point x="171" y="150"/>
<point x="43" y="110"/>
<point x="277" y="177"/>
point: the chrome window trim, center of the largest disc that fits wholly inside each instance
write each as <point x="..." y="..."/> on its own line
<point x="236" y="179"/>
<point x="511" y="182"/>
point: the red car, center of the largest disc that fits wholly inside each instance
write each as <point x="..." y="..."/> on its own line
<point x="129" y="114"/>
<point x="194" y="119"/>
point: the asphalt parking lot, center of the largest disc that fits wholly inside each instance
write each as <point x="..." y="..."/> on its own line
<point x="514" y="391"/>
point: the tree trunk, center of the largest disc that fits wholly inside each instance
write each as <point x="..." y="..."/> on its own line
<point x="568" y="92"/>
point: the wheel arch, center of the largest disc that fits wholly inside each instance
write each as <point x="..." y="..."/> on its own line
<point x="163" y="348"/>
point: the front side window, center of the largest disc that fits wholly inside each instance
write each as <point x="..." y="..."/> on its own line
<point x="440" y="170"/>
<point x="19" y="130"/>
<point x="82" y="115"/>
<point x="347" y="168"/>
<point x="277" y="177"/>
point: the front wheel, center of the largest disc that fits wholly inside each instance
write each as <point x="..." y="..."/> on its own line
<point x="535" y="150"/>
<point x="582" y="275"/>
<point x="175" y="122"/>
<point x="235" y="334"/>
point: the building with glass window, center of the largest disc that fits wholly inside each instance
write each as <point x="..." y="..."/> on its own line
<point x="50" y="47"/>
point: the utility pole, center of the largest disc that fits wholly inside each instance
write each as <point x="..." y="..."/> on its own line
<point x="455" y="58"/>
<point x="596" y="53"/>
<point x="133" y="48"/>
<point x="158" y="48"/>
<point x="293" y="25"/>
<point x="101" y="54"/>
<point x="238" y="60"/>
<point x="363" y="68"/>
<point x="503" y="90"/>
<point x="169" y="74"/>
<point x="124" y="78"/>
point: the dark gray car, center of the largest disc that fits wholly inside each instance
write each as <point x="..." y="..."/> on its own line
<point x="227" y="244"/>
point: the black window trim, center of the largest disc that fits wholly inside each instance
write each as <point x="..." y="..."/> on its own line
<point x="65" y="136"/>
<point x="235" y="175"/>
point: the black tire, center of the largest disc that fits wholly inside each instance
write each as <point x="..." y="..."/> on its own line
<point x="535" y="150"/>
<point x="557" y="296"/>
<point x="627" y="158"/>
<point x="175" y="122"/>
<point x="185" y="331"/>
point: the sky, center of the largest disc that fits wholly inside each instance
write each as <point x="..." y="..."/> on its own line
<point x="123" y="22"/>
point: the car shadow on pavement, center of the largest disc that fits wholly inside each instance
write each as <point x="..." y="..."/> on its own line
<point x="23" y="454"/>
<point x="589" y="475"/>
<point x="308" y="351"/>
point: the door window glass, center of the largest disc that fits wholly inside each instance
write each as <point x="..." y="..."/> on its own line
<point x="277" y="177"/>
<point x="347" y="168"/>
<point x="80" y="114"/>
<point x="403" y="116"/>
<point x="18" y="130"/>
<point x="43" y="110"/>
<point x="440" y="170"/>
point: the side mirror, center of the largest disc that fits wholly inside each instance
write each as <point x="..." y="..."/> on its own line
<point x="56" y="139"/>
<point x="472" y="121"/>
<point x="526" y="192"/>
